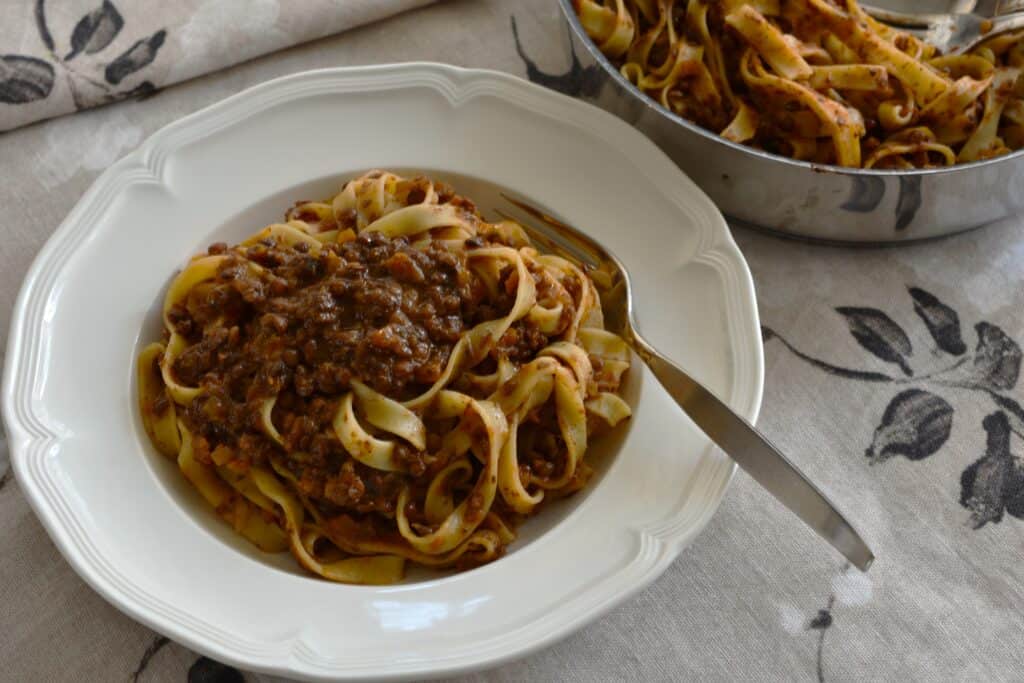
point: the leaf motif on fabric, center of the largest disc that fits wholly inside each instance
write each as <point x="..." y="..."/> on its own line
<point x="206" y="670"/>
<point x="159" y="642"/>
<point x="1014" y="412"/>
<point x="44" y="30"/>
<point x="942" y="321"/>
<point x="822" y="621"/>
<point x="142" y="91"/>
<point x="1015" y="499"/>
<point x="879" y="334"/>
<point x="995" y="483"/>
<point x="95" y="30"/>
<point x="996" y="358"/>
<point x="24" y="79"/>
<point x="139" y="55"/>
<point x="915" y="424"/>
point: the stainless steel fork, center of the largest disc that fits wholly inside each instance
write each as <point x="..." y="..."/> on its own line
<point x="734" y="435"/>
<point x="955" y="32"/>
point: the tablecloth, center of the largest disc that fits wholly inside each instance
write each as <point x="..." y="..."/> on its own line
<point x="892" y="380"/>
<point x="62" y="57"/>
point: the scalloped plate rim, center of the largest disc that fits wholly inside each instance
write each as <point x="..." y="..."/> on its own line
<point x="717" y="247"/>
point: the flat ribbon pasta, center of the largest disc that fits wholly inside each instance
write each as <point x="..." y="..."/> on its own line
<point x="384" y="378"/>
<point x="815" y="80"/>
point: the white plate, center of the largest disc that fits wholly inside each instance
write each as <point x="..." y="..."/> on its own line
<point x="135" y="531"/>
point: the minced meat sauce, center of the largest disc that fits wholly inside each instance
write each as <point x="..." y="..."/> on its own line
<point x="304" y="326"/>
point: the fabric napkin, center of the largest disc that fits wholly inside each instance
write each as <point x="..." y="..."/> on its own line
<point x="63" y="56"/>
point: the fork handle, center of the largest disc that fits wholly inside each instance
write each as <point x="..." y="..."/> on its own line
<point x="755" y="454"/>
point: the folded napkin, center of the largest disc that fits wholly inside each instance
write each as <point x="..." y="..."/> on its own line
<point x="66" y="55"/>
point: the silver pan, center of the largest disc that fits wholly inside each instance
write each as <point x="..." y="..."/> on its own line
<point x="798" y="198"/>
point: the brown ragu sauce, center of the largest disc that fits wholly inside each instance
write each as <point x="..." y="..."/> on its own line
<point x="372" y="308"/>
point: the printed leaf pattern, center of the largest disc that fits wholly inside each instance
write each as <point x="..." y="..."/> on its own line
<point x="159" y="643"/>
<point x="995" y="483"/>
<point x="996" y="358"/>
<point x="6" y="473"/>
<point x="916" y="424"/>
<point x="822" y="620"/>
<point x="206" y="670"/>
<point x="95" y="30"/>
<point x="1014" y="411"/>
<point x="142" y="91"/>
<point x="879" y="334"/>
<point x="942" y="321"/>
<point x="134" y="58"/>
<point x="44" y="30"/>
<point x="24" y="79"/>
<point x="767" y="334"/>
<point x="203" y="669"/>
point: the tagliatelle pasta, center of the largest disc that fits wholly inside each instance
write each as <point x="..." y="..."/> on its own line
<point x="816" y="80"/>
<point x="384" y="378"/>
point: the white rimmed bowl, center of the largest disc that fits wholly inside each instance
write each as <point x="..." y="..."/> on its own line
<point x="135" y="531"/>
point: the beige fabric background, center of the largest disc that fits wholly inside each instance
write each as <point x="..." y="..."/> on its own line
<point x="757" y="597"/>
<point x="89" y="52"/>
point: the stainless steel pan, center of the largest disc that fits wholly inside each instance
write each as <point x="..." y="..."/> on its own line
<point x="799" y="198"/>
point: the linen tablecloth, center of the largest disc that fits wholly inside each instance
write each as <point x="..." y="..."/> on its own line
<point x="892" y="380"/>
<point x="61" y="57"/>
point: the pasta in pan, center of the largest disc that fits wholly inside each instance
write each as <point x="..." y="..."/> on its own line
<point x="384" y="378"/>
<point x="816" y="80"/>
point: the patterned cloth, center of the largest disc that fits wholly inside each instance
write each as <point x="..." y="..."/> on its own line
<point x="61" y="57"/>
<point x="892" y="379"/>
